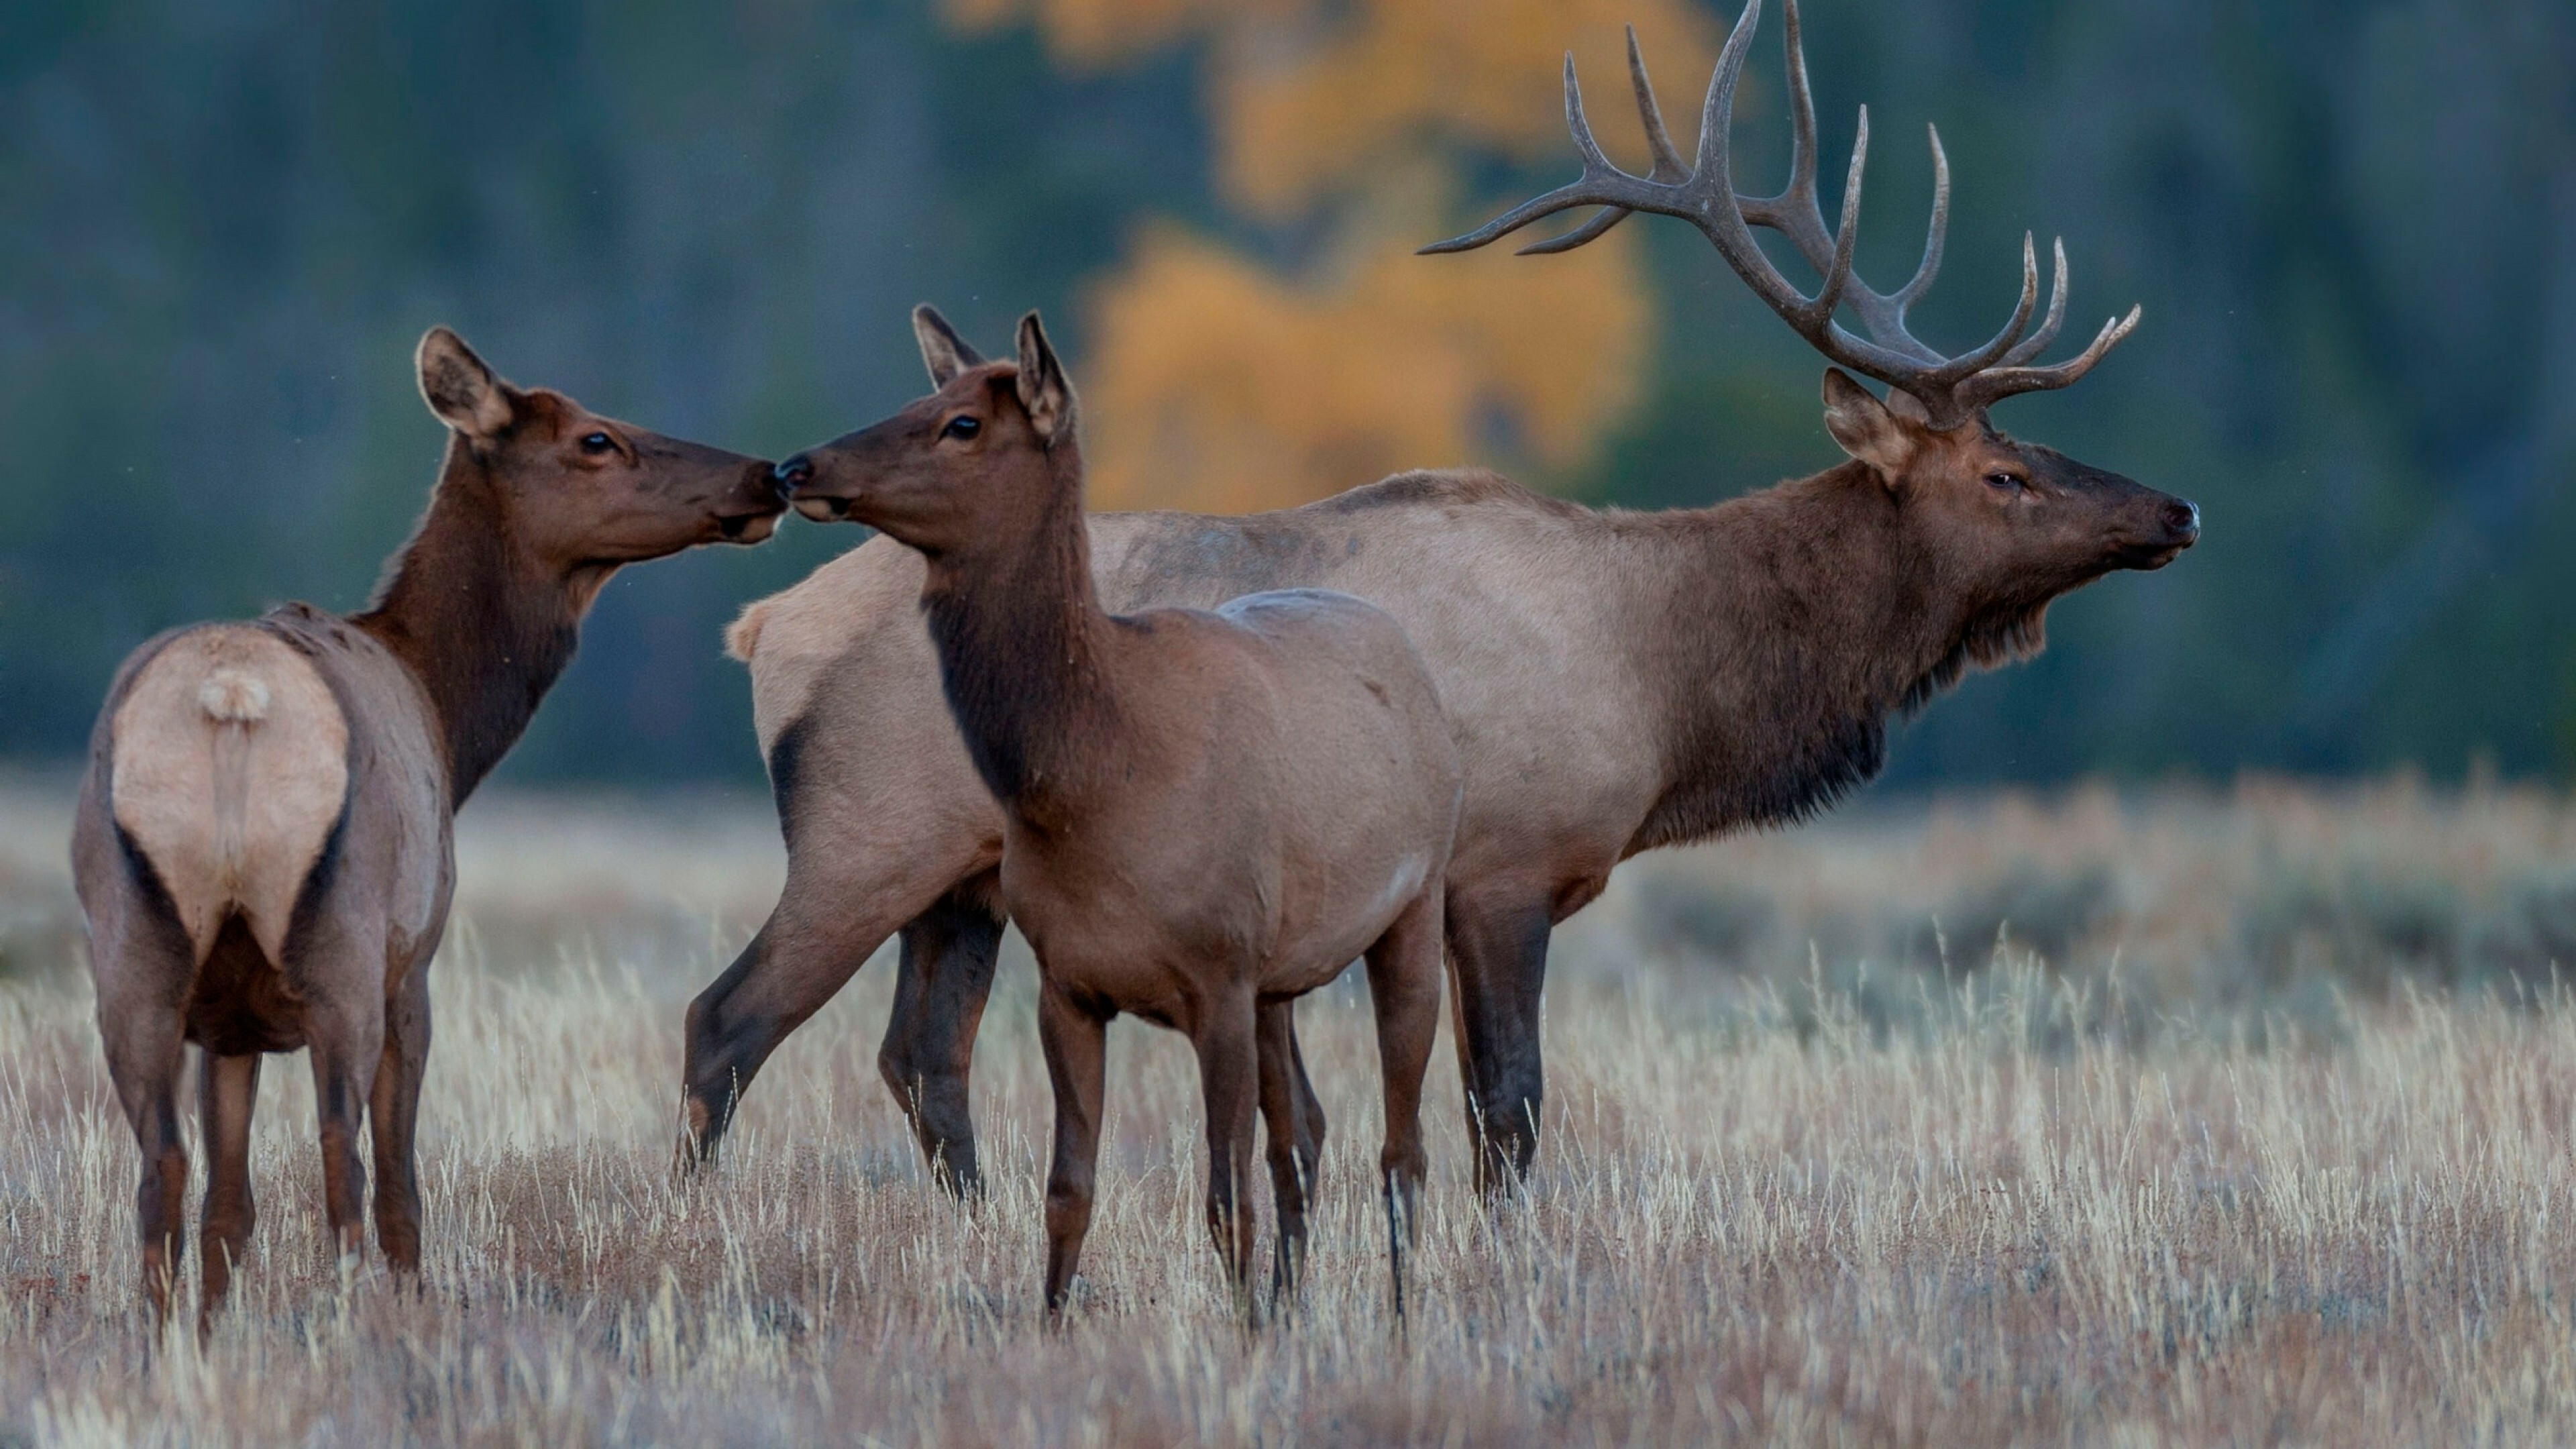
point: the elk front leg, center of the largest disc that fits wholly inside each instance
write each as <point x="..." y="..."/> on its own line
<point x="826" y="925"/>
<point x="941" y="983"/>
<point x="393" y="1110"/>
<point x="1498" y="952"/>
<point x="1075" y="1040"/>
<point x="1404" y="987"/>
<point x="227" y="1094"/>
<point x="1225" y="1034"/>
<point x="1290" y="1167"/>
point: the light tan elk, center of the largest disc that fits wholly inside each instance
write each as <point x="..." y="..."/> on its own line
<point x="263" y="839"/>
<point x="1206" y="814"/>
<point x="1617" y="681"/>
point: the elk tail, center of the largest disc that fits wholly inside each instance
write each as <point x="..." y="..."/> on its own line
<point x="236" y="702"/>
<point x="743" y="636"/>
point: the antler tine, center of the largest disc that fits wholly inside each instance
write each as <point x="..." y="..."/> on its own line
<point x="1802" y="118"/>
<point x="1796" y="211"/>
<point x="1715" y="160"/>
<point x="1839" y="275"/>
<point x="1945" y="378"/>
<point x="1601" y="184"/>
<point x="1580" y="124"/>
<point x="1608" y="217"/>
<point x="2037" y="342"/>
<point x="1988" y="388"/>
<point x="1668" y="167"/>
<point x="1936" y="237"/>
<point x="1668" y="160"/>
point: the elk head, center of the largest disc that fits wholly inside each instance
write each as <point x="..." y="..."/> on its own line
<point x="2010" y="520"/>
<point x="583" y="491"/>
<point x="979" y="462"/>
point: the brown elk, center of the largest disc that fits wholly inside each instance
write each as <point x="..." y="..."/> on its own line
<point x="263" y="842"/>
<point x="1206" y="814"/>
<point x="1616" y="681"/>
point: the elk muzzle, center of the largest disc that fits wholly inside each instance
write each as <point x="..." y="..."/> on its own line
<point x="2175" y="527"/>
<point x="752" y="513"/>
<point x="795" y="478"/>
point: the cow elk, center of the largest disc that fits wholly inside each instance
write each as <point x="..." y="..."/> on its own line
<point x="1206" y="813"/>
<point x="1616" y="681"/>
<point x="263" y="843"/>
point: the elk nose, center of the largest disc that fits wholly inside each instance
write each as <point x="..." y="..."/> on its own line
<point x="794" y="473"/>
<point x="2183" y="518"/>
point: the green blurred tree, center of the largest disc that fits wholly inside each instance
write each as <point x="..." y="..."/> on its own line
<point x="2353" y="226"/>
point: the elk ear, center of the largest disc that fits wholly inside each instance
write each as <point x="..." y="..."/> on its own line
<point x="1867" y="428"/>
<point x="460" y="388"/>
<point x="942" y="350"/>
<point x="1044" y="391"/>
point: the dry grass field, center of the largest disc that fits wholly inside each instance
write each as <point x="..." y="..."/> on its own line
<point x="2175" y="1117"/>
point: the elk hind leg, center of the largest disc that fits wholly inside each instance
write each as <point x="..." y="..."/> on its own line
<point x="393" y="1112"/>
<point x="342" y="980"/>
<point x="942" y="980"/>
<point x="227" y="1094"/>
<point x="826" y="925"/>
<point x="1291" y="1172"/>
<point x="1404" y="987"/>
<point x="143" y="1042"/>
<point x="1309" y="1114"/>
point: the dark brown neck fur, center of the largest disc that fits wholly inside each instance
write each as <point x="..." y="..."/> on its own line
<point x="1020" y="634"/>
<point x="1794" y="623"/>
<point x="485" y="627"/>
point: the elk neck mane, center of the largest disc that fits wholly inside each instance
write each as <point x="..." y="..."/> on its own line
<point x="1021" y="635"/>
<point x="1788" y="627"/>
<point x="484" y="626"/>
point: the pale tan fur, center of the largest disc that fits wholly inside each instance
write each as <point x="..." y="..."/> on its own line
<point x="231" y="769"/>
<point x="798" y="634"/>
<point x="742" y="636"/>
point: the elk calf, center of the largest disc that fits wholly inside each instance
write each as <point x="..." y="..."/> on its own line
<point x="1206" y="814"/>
<point x="263" y="841"/>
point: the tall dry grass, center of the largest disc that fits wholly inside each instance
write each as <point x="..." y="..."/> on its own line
<point x="2276" y="1150"/>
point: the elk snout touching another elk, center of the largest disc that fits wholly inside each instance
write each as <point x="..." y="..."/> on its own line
<point x="262" y="845"/>
<point x="1617" y="681"/>
<point x="1206" y="814"/>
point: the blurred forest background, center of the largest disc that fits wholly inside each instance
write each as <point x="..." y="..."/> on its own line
<point x="2353" y="226"/>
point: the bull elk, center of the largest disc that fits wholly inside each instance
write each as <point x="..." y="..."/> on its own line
<point x="263" y="840"/>
<point x="1206" y="814"/>
<point x="1616" y="681"/>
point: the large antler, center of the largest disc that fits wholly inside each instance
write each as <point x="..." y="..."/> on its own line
<point x="1951" y="389"/>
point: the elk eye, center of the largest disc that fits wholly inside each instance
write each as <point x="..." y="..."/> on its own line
<point x="598" y="443"/>
<point x="962" y="426"/>
<point x="2005" y="481"/>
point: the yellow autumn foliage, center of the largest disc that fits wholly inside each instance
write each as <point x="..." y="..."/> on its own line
<point x="1212" y="385"/>
<point x="1215" y="383"/>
